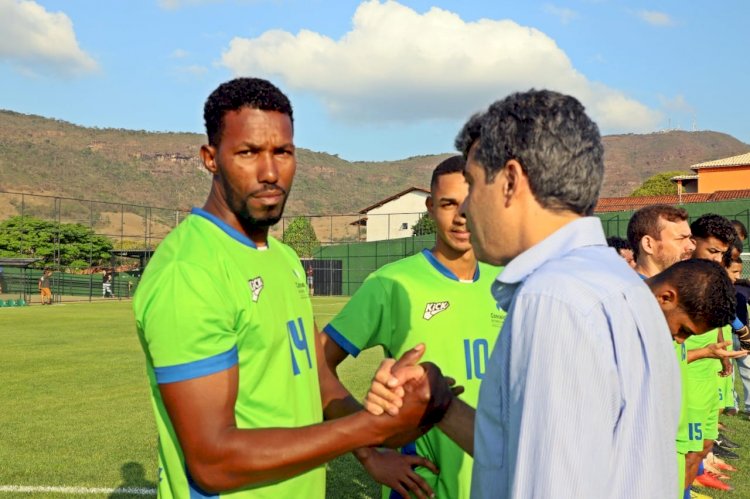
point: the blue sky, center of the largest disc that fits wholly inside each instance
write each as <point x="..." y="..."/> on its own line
<point x="378" y="80"/>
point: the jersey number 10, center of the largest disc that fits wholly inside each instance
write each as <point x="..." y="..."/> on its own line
<point x="298" y="341"/>
<point x="476" y="353"/>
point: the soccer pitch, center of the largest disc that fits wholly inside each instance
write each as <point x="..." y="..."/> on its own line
<point x="76" y="420"/>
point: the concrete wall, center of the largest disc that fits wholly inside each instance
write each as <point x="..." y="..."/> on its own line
<point x="728" y="178"/>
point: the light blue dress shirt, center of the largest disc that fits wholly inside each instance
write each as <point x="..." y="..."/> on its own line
<point x="581" y="397"/>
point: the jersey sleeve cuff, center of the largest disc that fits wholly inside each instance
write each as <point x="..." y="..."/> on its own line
<point x="197" y="368"/>
<point x="737" y="324"/>
<point x="341" y="341"/>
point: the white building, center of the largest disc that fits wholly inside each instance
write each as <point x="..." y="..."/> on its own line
<point x="393" y="217"/>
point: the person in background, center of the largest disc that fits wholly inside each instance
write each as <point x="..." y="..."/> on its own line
<point x="623" y="248"/>
<point x="45" y="287"/>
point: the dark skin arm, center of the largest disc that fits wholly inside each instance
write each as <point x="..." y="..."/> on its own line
<point x="221" y="456"/>
<point x="385" y="466"/>
<point x="458" y="422"/>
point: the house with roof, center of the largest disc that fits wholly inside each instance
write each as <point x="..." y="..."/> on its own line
<point x="727" y="174"/>
<point x="394" y="216"/>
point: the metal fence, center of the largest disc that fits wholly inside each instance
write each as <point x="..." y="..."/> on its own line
<point x="341" y="250"/>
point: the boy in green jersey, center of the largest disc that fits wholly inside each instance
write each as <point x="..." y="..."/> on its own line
<point x="694" y="297"/>
<point x="441" y="298"/>
<point x="225" y="320"/>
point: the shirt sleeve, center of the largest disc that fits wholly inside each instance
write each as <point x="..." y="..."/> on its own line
<point x="187" y="324"/>
<point x="365" y="321"/>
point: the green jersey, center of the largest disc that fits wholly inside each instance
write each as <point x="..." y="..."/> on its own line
<point x="418" y="300"/>
<point x="683" y="438"/>
<point x="210" y="300"/>
<point x="703" y="368"/>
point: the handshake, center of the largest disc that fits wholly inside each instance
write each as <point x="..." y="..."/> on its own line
<point x="412" y="396"/>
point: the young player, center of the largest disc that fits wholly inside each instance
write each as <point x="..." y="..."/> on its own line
<point x="439" y="297"/>
<point x="225" y="320"/>
<point x="713" y="235"/>
<point x="695" y="297"/>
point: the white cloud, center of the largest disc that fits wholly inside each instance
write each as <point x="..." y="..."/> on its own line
<point x="179" y="54"/>
<point x="398" y="65"/>
<point x="655" y="18"/>
<point x="676" y="104"/>
<point x="564" y="14"/>
<point x="194" y="69"/>
<point x="35" y="40"/>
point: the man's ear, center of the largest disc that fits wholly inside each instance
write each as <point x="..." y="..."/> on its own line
<point x="208" y="154"/>
<point x="428" y="204"/>
<point x="514" y="179"/>
<point x="667" y="297"/>
<point x="648" y="244"/>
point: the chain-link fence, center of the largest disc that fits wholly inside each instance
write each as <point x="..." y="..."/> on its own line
<point x="97" y="250"/>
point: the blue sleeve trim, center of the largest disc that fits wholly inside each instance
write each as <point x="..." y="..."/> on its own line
<point x="341" y="341"/>
<point x="737" y="324"/>
<point x="197" y="368"/>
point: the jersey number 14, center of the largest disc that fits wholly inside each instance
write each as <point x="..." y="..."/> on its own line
<point x="298" y="343"/>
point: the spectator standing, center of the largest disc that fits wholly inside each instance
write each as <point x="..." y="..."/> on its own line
<point x="45" y="287"/>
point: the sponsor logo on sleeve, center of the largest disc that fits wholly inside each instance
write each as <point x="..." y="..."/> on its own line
<point x="432" y="309"/>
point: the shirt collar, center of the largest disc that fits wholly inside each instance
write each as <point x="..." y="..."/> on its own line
<point x="584" y="231"/>
<point x="228" y="229"/>
<point x="445" y="270"/>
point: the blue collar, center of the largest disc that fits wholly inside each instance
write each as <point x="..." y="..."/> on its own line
<point x="228" y="229"/>
<point x="443" y="269"/>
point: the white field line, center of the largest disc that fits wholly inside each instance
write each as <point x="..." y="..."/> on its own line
<point x="28" y="489"/>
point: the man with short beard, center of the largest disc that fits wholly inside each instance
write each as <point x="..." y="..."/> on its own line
<point x="224" y="317"/>
<point x="660" y="236"/>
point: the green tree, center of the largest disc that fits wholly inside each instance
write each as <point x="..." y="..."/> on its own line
<point x="424" y="226"/>
<point x="37" y="238"/>
<point x="300" y="235"/>
<point x="658" y="185"/>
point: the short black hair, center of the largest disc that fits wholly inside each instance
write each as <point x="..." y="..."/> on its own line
<point x="645" y="222"/>
<point x="557" y="145"/>
<point x="235" y="94"/>
<point x="740" y="228"/>
<point x="713" y="225"/>
<point x="454" y="164"/>
<point x="705" y="292"/>
<point x="733" y="255"/>
<point x="618" y="243"/>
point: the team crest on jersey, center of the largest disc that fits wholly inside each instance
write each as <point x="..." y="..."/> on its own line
<point x="256" y="286"/>
<point x="432" y="309"/>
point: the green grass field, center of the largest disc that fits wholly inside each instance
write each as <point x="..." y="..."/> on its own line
<point x="75" y="412"/>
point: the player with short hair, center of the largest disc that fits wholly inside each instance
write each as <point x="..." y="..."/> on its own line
<point x="439" y="297"/>
<point x="695" y="297"/>
<point x="713" y="235"/>
<point x="225" y="320"/>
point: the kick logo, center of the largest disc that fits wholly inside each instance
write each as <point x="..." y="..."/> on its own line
<point x="256" y="286"/>
<point x="432" y="309"/>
